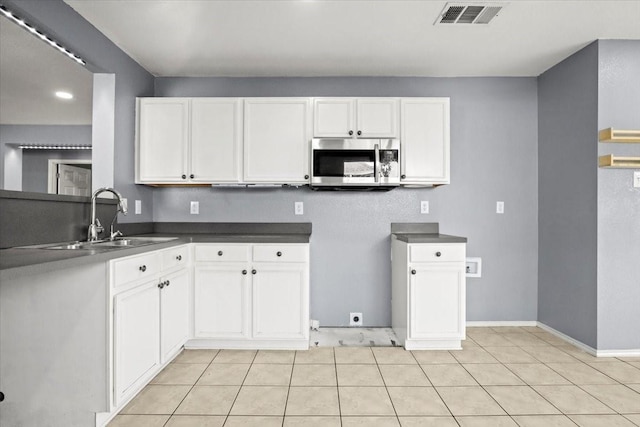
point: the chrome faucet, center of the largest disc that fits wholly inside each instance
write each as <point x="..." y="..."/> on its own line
<point x="95" y="227"/>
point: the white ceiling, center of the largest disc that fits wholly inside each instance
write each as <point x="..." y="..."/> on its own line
<point x="30" y="74"/>
<point x="352" y="37"/>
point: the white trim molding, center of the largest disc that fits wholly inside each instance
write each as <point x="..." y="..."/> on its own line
<point x="496" y="323"/>
<point x="582" y="346"/>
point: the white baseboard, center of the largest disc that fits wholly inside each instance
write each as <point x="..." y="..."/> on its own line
<point x="495" y="323"/>
<point x="592" y="351"/>
<point x="634" y="352"/>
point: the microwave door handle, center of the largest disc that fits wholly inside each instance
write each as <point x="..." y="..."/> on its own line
<point x="376" y="163"/>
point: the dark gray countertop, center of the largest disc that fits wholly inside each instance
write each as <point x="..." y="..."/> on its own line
<point x="429" y="238"/>
<point x="428" y="232"/>
<point x="23" y="260"/>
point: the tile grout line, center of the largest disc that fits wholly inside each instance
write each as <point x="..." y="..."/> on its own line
<point x="434" y="387"/>
<point x="286" y="401"/>
<point x="385" y="384"/>
<point x="239" y="388"/>
<point x="335" y="369"/>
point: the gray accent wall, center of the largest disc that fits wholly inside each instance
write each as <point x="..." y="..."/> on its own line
<point x="59" y="20"/>
<point x="567" y="196"/>
<point x="618" y="200"/>
<point x="494" y="157"/>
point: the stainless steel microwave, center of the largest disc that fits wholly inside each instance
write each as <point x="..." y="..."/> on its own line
<point x="355" y="163"/>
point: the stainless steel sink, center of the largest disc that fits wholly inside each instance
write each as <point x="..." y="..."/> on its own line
<point x="125" y="242"/>
<point x="133" y="241"/>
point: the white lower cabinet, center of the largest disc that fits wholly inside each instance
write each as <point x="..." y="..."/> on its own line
<point x="221" y="301"/>
<point x="261" y="300"/>
<point x="136" y="336"/>
<point x="174" y="313"/>
<point x="428" y="294"/>
<point x="150" y="317"/>
<point x="279" y="301"/>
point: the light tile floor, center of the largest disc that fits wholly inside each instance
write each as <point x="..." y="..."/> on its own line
<point x="503" y="377"/>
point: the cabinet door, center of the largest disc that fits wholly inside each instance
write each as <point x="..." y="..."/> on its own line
<point x="280" y="301"/>
<point x="425" y="141"/>
<point x="216" y="140"/>
<point x="136" y="337"/>
<point x="221" y="301"/>
<point x="334" y="118"/>
<point x="437" y="301"/>
<point x="174" y="313"/>
<point x="377" y="118"/>
<point x="276" y="140"/>
<point x="163" y="136"/>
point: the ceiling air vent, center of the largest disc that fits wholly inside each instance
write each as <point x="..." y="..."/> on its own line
<point x="465" y="13"/>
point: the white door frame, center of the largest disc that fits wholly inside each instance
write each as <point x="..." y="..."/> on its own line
<point x="53" y="170"/>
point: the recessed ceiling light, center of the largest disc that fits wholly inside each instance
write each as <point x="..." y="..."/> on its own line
<point x="64" y="95"/>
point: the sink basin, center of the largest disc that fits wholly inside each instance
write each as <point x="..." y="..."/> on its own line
<point x="133" y="241"/>
<point x="126" y="242"/>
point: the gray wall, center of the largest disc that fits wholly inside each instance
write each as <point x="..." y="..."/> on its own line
<point x="60" y="21"/>
<point x="567" y="195"/>
<point x="34" y="162"/>
<point x="494" y="157"/>
<point x="618" y="200"/>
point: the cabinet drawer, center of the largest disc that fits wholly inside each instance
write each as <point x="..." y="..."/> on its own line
<point x="175" y="257"/>
<point x="280" y="253"/>
<point x="222" y="253"/>
<point x="134" y="268"/>
<point x="437" y="253"/>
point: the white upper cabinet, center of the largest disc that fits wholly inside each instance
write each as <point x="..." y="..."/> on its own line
<point x="424" y="139"/>
<point x="163" y="136"/>
<point x="355" y="118"/>
<point x="277" y="140"/>
<point x="216" y="140"/>
<point x="189" y="140"/>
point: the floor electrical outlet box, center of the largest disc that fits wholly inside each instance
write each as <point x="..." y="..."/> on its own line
<point x="355" y="319"/>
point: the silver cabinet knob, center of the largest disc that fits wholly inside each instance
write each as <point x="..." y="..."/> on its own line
<point x="244" y="272"/>
<point x="219" y="253"/>
<point x="413" y="272"/>
<point x="279" y="253"/>
<point x="143" y="268"/>
<point x="253" y="271"/>
<point x="438" y="254"/>
<point x="179" y="257"/>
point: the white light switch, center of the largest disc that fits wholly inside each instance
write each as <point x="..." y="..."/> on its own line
<point x="424" y="207"/>
<point x="636" y="179"/>
<point x="500" y="207"/>
<point x="298" y="208"/>
<point x="138" y="207"/>
<point x="195" y="208"/>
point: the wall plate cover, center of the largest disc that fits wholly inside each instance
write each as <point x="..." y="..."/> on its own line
<point x="500" y="207"/>
<point x="424" y="207"/>
<point x="636" y="179"/>
<point x="195" y="208"/>
<point x="473" y="267"/>
<point x="138" y="207"/>
<point x="298" y="208"/>
<point x="355" y="319"/>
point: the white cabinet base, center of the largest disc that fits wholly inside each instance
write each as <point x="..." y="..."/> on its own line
<point x="433" y="345"/>
<point x="254" y="344"/>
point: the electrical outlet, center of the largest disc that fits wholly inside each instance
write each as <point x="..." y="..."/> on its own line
<point x="424" y="207"/>
<point x="355" y="319"/>
<point x="195" y="208"/>
<point x="500" y="207"/>
<point x="298" y="208"/>
<point x="138" y="207"/>
<point x="473" y="267"/>
<point x="125" y="203"/>
<point x="636" y="179"/>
